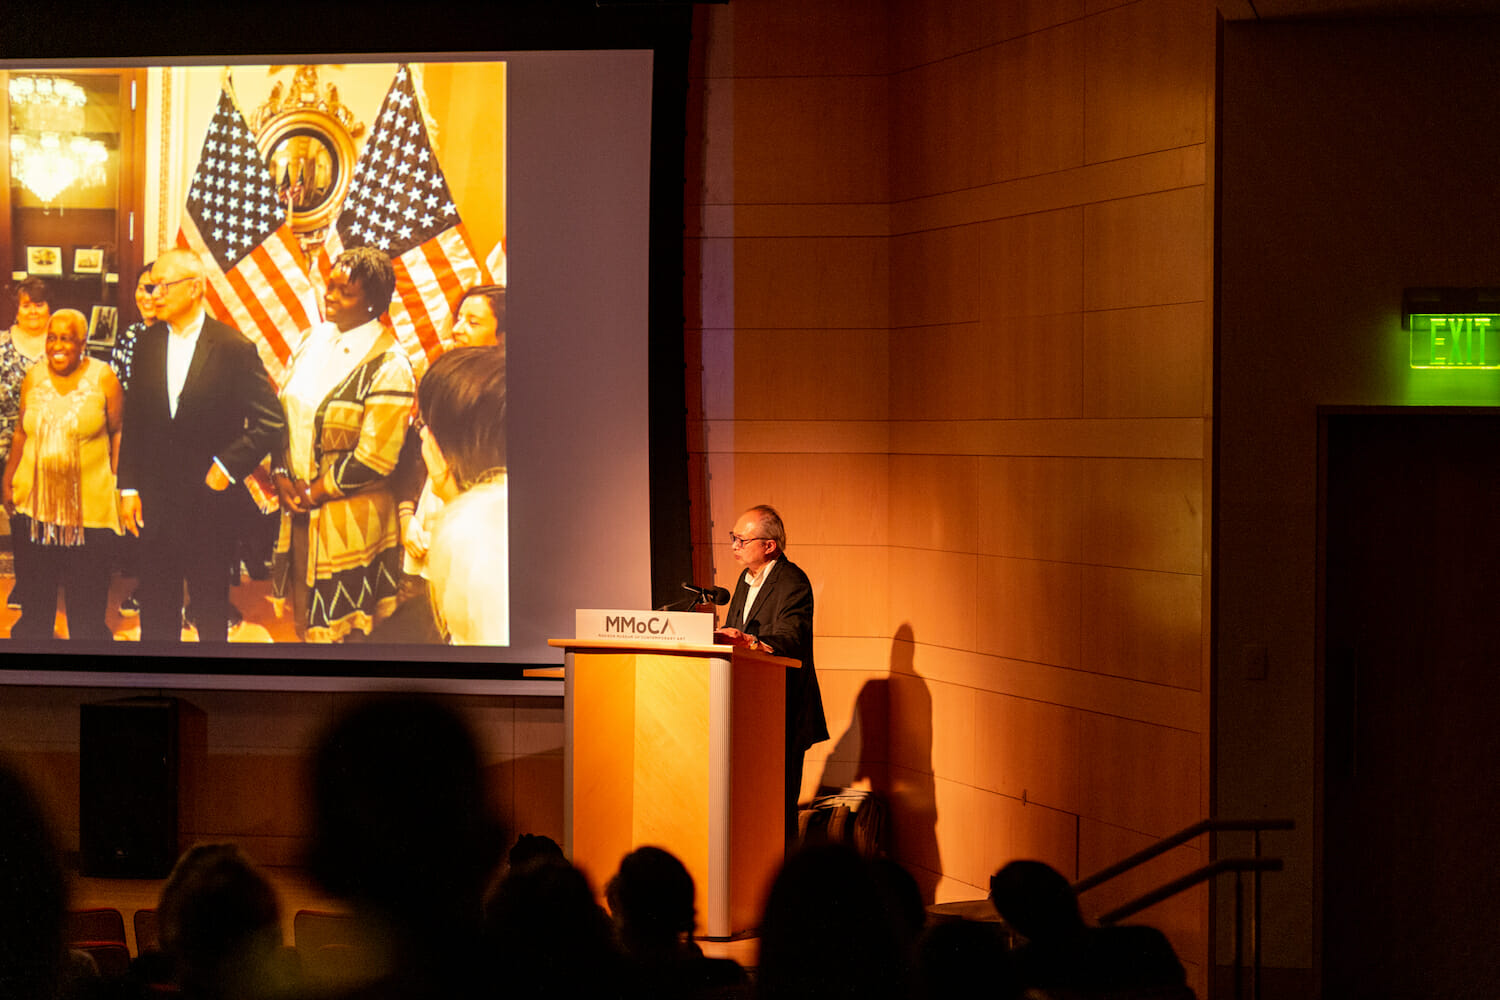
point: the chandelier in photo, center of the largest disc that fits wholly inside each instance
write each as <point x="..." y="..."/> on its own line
<point x="48" y="150"/>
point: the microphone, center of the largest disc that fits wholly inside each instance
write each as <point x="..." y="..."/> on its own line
<point x="701" y="595"/>
<point x="714" y="595"/>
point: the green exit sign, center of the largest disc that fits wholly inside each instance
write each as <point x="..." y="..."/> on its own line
<point x="1441" y="340"/>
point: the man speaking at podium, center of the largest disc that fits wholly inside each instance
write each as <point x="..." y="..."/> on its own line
<point x="772" y="610"/>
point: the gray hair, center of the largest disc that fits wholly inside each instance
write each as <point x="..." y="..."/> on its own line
<point x="770" y="523"/>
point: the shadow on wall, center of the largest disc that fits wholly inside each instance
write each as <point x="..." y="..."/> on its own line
<point x="889" y="744"/>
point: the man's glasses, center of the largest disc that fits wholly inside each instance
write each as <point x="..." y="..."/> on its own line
<point x="162" y="286"/>
<point x="735" y="541"/>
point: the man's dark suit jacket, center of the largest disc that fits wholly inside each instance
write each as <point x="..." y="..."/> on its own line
<point x="782" y="618"/>
<point x="228" y="410"/>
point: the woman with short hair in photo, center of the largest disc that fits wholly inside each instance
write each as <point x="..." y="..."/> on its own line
<point x="60" y="479"/>
<point x="347" y="397"/>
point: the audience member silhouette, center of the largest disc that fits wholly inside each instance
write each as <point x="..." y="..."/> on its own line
<point x="903" y="895"/>
<point x="220" y="924"/>
<point x="651" y="899"/>
<point x="829" y="930"/>
<point x="33" y="896"/>
<point x="1060" y="951"/>
<point x="954" y="955"/>
<point x="549" y="937"/>
<point x="402" y="832"/>
<point x="533" y="848"/>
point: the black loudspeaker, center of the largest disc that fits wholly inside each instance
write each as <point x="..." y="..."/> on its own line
<point x="127" y="787"/>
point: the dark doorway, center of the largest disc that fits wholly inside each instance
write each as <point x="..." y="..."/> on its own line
<point x="1412" y="705"/>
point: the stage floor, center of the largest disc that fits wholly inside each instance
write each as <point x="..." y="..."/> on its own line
<point x="252" y="597"/>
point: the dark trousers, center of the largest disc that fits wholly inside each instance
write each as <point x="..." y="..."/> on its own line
<point x="83" y="573"/>
<point x="180" y="547"/>
<point x="20" y="553"/>
<point x="793" y="792"/>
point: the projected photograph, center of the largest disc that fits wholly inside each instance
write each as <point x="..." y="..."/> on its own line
<point x="297" y="432"/>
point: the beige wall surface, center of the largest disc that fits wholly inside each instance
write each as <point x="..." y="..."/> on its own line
<point x="951" y="291"/>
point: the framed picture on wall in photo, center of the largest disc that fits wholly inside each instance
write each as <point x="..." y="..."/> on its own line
<point x="88" y="260"/>
<point x="45" y="261"/>
<point x="102" y="323"/>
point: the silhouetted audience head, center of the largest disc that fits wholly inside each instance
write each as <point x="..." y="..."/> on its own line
<point x="33" y="896"/>
<point x="220" y="923"/>
<point x="954" y="956"/>
<point x="651" y="899"/>
<point x="533" y="848"/>
<point x="829" y="930"/>
<point x="550" y="937"/>
<point x="903" y="896"/>
<point x="1036" y="901"/>
<point x="1061" y="952"/>
<point x="401" y="823"/>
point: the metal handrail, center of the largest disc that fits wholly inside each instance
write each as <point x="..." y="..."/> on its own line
<point x="1255" y="865"/>
<point x="1187" y="881"/>
<point x="1180" y="837"/>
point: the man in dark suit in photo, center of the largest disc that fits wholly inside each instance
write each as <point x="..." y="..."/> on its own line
<point x="772" y="610"/>
<point x="200" y="414"/>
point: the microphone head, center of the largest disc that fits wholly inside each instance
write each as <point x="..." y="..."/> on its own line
<point x="717" y="595"/>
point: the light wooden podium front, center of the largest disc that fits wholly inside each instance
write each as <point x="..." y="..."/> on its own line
<point x="679" y="747"/>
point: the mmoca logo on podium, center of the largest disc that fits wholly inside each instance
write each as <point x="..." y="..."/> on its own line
<point x="685" y="628"/>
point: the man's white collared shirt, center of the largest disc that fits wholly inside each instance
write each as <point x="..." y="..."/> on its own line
<point x="754" y="582"/>
<point x="180" y="347"/>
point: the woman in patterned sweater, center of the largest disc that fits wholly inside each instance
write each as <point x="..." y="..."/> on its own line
<point x="348" y="400"/>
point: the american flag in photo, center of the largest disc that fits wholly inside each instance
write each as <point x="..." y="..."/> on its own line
<point x="258" y="281"/>
<point x="399" y="202"/>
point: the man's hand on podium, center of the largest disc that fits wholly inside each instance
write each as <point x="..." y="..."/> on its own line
<point x="734" y="637"/>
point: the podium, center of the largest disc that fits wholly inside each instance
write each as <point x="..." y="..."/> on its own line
<point x="680" y="747"/>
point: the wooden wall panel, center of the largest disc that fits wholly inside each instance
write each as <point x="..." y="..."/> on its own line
<point x="1146" y="362"/>
<point x="851" y="585"/>
<point x="1033" y="265"/>
<point x="934" y="593"/>
<point x="1145" y="514"/>
<point x="939" y="277"/>
<point x="796" y="120"/>
<point x="815" y="374"/>
<point x="941" y="379"/>
<point x="935" y="501"/>
<point x="1028" y="750"/>
<point x="811" y="283"/>
<point x="1034" y="507"/>
<point x="1032" y="610"/>
<point x="857" y="703"/>
<point x="1139" y="776"/>
<point x="823" y="499"/>
<point x="827" y="38"/>
<point x="938" y="142"/>
<point x="1145" y="251"/>
<point x="1143" y="625"/>
<point x="1042" y="287"/>
<point x="1037" y="105"/>
<point x="918" y="36"/>
<point x="1007" y="829"/>
<point x="1149" y="76"/>
<point x="1037" y="371"/>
